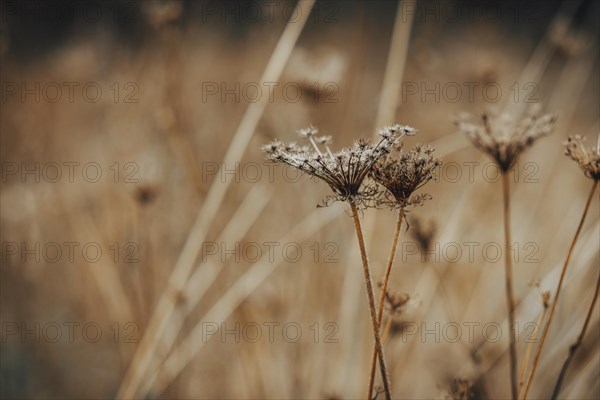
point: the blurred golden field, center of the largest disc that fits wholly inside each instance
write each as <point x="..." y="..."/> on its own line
<point x="150" y="251"/>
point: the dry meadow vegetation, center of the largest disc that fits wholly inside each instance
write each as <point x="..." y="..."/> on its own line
<point x="166" y="233"/>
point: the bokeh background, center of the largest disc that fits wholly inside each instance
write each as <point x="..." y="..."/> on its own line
<point x="149" y="251"/>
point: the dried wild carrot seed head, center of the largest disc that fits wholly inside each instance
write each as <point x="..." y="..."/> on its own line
<point x="344" y="171"/>
<point x="406" y="173"/>
<point x="503" y="139"/>
<point x="587" y="157"/>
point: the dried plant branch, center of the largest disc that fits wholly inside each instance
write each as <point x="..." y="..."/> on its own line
<point x="401" y="176"/>
<point x="374" y="319"/>
<point x="504" y="139"/>
<point x="386" y="110"/>
<point x="527" y="306"/>
<point x="558" y="290"/>
<point x="510" y="297"/>
<point x="346" y="172"/>
<point x="577" y="344"/>
<point x="386" y="278"/>
<point x="539" y="322"/>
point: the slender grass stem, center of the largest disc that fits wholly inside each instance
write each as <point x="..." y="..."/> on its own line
<point x="509" y="284"/>
<point x="165" y="307"/>
<point x="384" y="291"/>
<point x="558" y="289"/>
<point x="525" y="362"/>
<point x="577" y="344"/>
<point x="369" y="284"/>
<point x="386" y="329"/>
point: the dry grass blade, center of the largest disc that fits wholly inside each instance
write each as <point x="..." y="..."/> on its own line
<point x="525" y="365"/>
<point x="106" y="277"/>
<point x="558" y="290"/>
<point x="529" y="307"/>
<point x="394" y="69"/>
<point x="206" y="273"/>
<point x="210" y="206"/>
<point x="541" y="56"/>
<point x="577" y="344"/>
<point x="189" y="347"/>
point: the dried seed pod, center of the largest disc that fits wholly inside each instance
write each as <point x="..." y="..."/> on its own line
<point x="344" y="171"/>
<point x="501" y="138"/>
<point x="406" y="173"/>
<point x="587" y="157"/>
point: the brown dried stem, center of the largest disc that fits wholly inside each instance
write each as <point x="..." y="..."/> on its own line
<point x="384" y="291"/>
<point x="510" y="297"/>
<point x="374" y="320"/>
<point x="558" y="289"/>
<point x="538" y="323"/>
<point x="575" y="346"/>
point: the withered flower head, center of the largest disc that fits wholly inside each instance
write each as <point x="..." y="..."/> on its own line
<point x="503" y="139"/>
<point x="406" y="173"/>
<point x="345" y="170"/>
<point x="587" y="157"/>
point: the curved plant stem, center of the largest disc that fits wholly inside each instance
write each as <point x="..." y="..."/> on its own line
<point x="510" y="297"/>
<point x="525" y="361"/>
<point x="363" y="253"/>
<point x="558" y="288"/>
<point x="384" y="291"/>
<point x="575" y="346"/>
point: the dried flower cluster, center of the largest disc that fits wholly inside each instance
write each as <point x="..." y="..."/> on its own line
<point x="503" y="139"/>
<point x="587" y="157"/>
<point x="344" y="171"/>
<point x="406" y="173"/>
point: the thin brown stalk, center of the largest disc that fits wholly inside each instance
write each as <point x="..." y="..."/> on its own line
<point x="392" y="80"/>
<point x="374" y="320"/>
<point x="577" y="344"/>
<point x="144" y="354"/>
<point x="525" y="362"/>
<point x="386" y="279"/>
<point x="510" y="297"/>
<point x="386" y="329"/>
<point x="191" y="344"/>
<point x="558" y="288"/>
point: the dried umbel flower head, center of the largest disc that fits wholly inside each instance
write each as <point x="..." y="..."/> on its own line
<point x="502" y="138"/>
<point x="587" y="157"/>
<point x="405" y="173"/>
<point x="344" y="171"/>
